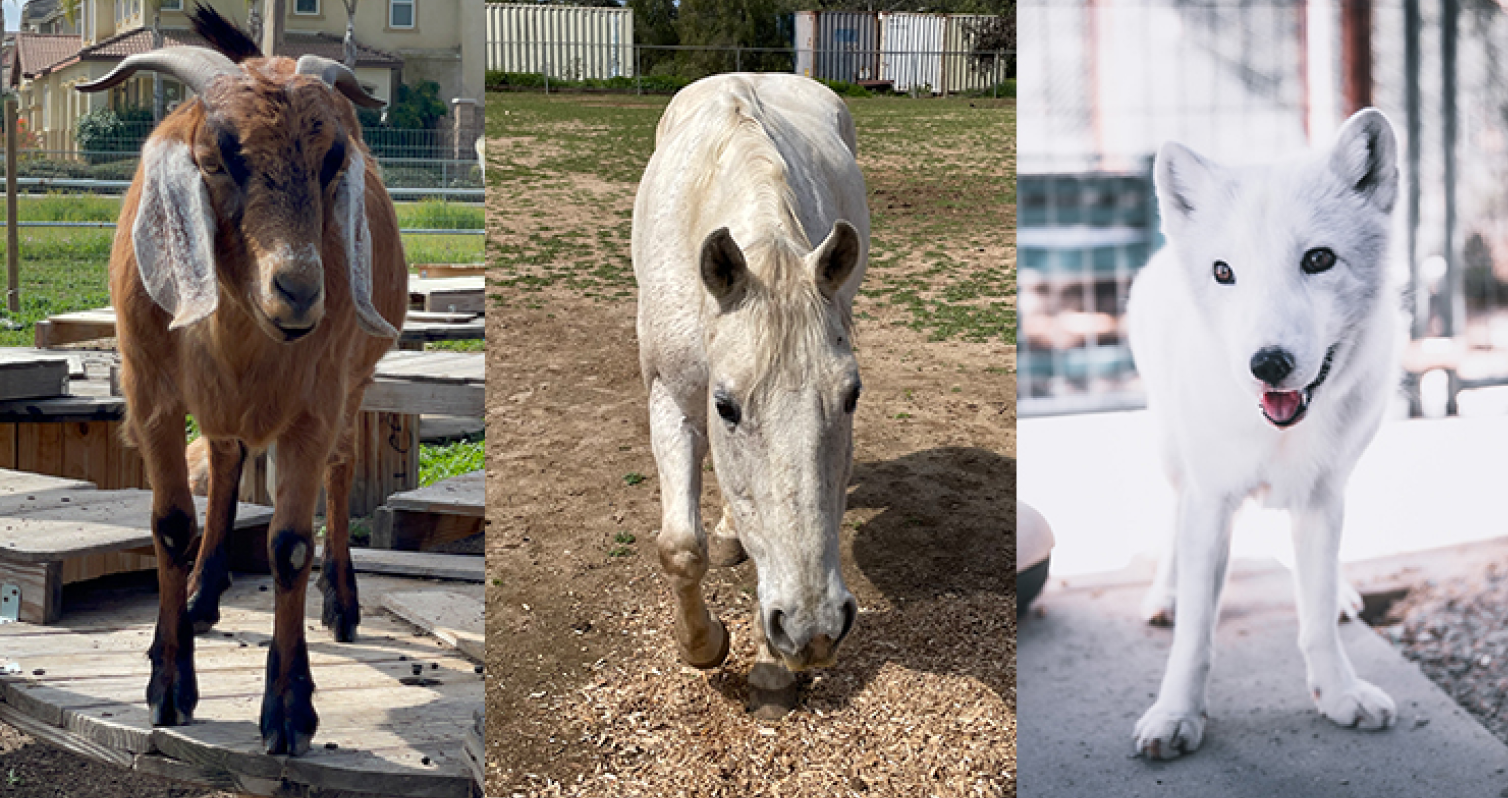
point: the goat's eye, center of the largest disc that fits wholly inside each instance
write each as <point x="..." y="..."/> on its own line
<point x="231" y="159"/>
<point x="852" y="400"/>
<point x="334" y="160"/>
<point x="727" y="408"/>
<point x="1317" y="260"/>
<point x="1223" y="273"/>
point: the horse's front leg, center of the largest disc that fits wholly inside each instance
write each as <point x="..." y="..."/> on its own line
<point x="173" y="691"/>
<point x="680" y="446"/>
<point x="288" y="717"/>
<point x="211" y="575"/>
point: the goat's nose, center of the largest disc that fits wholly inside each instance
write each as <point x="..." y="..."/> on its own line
<point x="1272" y="365"/>
<point x="299" y="291"/>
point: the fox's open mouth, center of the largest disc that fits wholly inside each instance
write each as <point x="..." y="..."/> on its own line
<point x="1286" y="408"/>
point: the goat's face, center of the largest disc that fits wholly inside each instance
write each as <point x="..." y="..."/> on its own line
<point x="273" y="153"/>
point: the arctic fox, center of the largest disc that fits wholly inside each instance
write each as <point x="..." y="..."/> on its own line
<point x="1264" y="333"/>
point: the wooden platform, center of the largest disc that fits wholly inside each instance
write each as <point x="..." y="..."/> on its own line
<point x="452" y="294"/>
<point x="448" y="510"/>
<point x="80" y="685"/>
<point x="55" y="532"/>
<point x="91" y="325"/>
<point x="27" y="376"/>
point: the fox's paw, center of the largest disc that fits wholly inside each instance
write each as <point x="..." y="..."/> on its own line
<point x="1360" y="705"/>
<point x="1164" y="733"/>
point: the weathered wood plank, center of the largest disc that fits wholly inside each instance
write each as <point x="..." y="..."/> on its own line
<point x="53" y="526"/>
<point x="463" y="495"/>
<point x="456" y="567"/>
<point x="24" y="375"/>
<point x="455" y="619"/>
<point x="64" y="739"/>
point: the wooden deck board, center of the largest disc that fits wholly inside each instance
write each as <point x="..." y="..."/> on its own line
<point x="452" y="618"/>
<point x="24" y="375"/>
<point x="54" y="525"/>
<point x="89" y="695"/>
<point x="92" y="325"/>
<point x="463" y="495"/>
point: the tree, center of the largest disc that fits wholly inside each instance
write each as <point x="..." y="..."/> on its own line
<point x="991" y="37"/>
<point x="655" y="26"/>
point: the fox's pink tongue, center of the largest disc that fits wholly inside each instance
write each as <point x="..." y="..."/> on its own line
<point x="1280" y="406"/>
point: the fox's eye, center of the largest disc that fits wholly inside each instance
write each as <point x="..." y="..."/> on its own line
<point x="1318" y="260"/>
<point x="1223" y="273"/>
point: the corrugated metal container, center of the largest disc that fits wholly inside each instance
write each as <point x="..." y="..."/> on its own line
<point x="569" y="42"/>
<point x="911" y="51"/>
<point x="838" y="45"/>
<point x="959" y="73"/>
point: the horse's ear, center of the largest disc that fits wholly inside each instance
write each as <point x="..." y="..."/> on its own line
<point x="725" y="273"/>
<point x="836" y="258"/>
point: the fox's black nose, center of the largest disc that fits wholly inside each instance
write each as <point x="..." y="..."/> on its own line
<point x="1271" y="365"/>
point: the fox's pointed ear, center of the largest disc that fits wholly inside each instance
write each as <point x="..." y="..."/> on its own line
<point x="1185" y="182"/>
<point x="1365" y="157"/>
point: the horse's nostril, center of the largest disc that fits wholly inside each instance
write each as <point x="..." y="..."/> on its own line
<point x="776" y="631"/>
<point x="850" y="614"/>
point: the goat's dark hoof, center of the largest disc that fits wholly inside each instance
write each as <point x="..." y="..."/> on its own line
<point x="173" y="691"/>
<point x="288" y="717"/>
<point x="341" y="616"/>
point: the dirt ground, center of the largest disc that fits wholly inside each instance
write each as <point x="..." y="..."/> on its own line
<point x="585" y="693"/>
<point x="32" y="769"/>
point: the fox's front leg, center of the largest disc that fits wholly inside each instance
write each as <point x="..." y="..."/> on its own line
<point x="1175" y="723"/>
<point x="1340" y="695"/>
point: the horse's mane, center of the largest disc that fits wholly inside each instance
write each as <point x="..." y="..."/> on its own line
<point x="789" y="315"/>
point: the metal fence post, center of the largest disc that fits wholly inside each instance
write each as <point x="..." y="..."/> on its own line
<point x="638" y="70"/>
<point x="738" y="60"/>
<point x="12" y="232"/>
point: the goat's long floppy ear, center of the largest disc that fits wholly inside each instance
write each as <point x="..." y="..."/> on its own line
<point x="351" y="210"/>
<point x="174" y="234"/>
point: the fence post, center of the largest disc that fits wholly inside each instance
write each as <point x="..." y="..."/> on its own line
<point x="738" y="59"/>
<point x="638" y="70"/>
<point x="12" y="232"/>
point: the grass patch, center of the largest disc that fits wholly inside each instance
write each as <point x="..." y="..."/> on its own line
<point x="940" y="172"/>
<point x="440" y="215"/>
<point x="443" y="461"/>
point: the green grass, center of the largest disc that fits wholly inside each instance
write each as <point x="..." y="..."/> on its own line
<point x="440" y="215"/>
<point x="940" y="172"/>
<point x="443" y="461"/>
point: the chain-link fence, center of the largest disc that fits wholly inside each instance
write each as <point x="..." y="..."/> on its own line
<point x="666" y="68"/>
<point x="1247" y="81"/>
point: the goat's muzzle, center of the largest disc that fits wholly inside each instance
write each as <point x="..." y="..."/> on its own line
<point x="293" y="297"/>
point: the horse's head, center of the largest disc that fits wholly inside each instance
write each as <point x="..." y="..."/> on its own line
<point x="783" y="385"/>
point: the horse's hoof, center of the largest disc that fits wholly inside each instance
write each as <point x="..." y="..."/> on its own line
<point x="772" y="704"/>
<point x="721" y="633"/>
<point x="725" y="552"/>
<point x="173" y="690"/>
<point x="288" y="717"/>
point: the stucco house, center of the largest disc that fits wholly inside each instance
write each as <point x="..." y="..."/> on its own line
<point x="398" y="41"/>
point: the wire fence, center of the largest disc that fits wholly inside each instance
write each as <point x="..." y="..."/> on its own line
<point x="660" y="68"/>
<point x="1247" y="81"/>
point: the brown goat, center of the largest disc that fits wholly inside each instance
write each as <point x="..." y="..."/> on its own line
<point x="258" y="277"/>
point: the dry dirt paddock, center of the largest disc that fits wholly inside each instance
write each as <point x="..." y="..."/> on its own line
<point x="585" y="693"/>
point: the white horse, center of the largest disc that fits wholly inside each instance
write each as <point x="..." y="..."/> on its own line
<point x="744" y="322"/>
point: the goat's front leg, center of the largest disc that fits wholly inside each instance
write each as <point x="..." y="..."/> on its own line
<point x="288" y="717"/>
<point x="173" y="691"/>
<point x="211" y="576"/>
<point x="1340" y="695"/>
<point x="1175" y="723"/>
<point x="680" y="447"/>
<point x="337" y="576"/>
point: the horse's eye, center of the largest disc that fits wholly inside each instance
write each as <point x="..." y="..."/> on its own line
<point x="1223" y="273"/>
<point x="852" y="401"/>
<point x="727" y="408"/>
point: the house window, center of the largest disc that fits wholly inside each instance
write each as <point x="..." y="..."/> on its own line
<point x="171" y="5"/>
<point x="306" y="7"/>
<point x="400" y="13"/>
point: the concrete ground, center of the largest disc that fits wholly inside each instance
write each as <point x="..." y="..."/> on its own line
<point x="1087" y="668"/>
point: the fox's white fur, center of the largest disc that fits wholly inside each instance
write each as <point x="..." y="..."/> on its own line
<point x="1227" y="434"/>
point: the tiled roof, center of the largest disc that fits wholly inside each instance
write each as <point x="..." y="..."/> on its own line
<point x="295" y="44"/>
<point x="38" y="51"/>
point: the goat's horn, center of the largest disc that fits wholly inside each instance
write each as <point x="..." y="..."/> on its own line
<point x="337" y="76"/>
<point x="195" y="67"/>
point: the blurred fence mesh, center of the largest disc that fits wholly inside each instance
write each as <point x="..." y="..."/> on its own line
<point x="1244" y="81"/>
